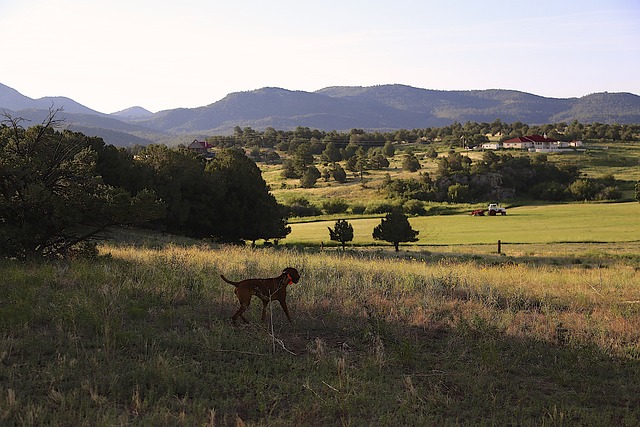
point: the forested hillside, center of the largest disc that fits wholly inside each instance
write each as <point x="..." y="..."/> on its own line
<point x="382" y="108"/>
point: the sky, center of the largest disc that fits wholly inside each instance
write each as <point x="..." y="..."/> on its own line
<point x="110" y="55"/>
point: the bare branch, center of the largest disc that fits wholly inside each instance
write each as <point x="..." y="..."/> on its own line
<point x="13" y="123"/>
<point x="50" y="121"/>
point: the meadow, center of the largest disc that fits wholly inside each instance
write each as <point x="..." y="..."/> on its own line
<point x="141" y="336"/>
<point x="576" y="223"/>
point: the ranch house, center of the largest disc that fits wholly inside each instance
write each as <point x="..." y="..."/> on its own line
<point x="532" y="143"/>
<point x="200" y="147"/>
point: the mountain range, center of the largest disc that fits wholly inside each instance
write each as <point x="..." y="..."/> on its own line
<point x="383" y="108"/>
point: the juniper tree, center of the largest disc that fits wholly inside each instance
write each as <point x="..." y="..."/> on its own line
<point x="395" y="228"/>
<point x="342" y="232"/>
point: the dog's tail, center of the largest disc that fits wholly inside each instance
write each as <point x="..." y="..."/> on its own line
<point x="229" y="281"/>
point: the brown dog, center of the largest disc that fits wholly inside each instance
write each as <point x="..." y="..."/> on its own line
<point x="265" y="289"/>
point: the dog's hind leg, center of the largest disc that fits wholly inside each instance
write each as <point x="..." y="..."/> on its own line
<point x="239" y="314"/>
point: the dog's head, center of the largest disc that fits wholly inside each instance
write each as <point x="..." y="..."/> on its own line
<point x="292" y="274"/>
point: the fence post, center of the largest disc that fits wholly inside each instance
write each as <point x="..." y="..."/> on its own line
<point x="499" y="246"/>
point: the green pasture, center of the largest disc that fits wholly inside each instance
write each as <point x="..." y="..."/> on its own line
<point x="605" y="222"/>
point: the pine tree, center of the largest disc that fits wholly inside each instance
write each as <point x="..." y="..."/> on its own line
<point x="342" y="232"/>
<point x="395" y="228"/>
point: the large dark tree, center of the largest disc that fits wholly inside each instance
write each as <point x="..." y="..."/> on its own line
<point x="395" y="228"/>
<point x="190" y="194"/>
<point x="247" y="210"/>
<point x="52" y="198"/>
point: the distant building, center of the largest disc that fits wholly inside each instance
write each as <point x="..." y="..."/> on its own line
<point x="200" y="147"/>
<point x="531" y="142"/>
<point x="491" y="146"/>
<point x="539" y="144"/>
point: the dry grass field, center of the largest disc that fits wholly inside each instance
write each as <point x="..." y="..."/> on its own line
<point x="141" y="336"/>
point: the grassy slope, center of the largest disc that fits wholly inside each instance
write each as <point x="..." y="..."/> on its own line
<point x="620" y="159"/>
<point x="142" y="338"/>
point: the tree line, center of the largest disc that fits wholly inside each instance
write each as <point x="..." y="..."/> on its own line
<point x="499" y="177"/>
<point x="314" y="154"/>
<point x="60" y="189"/>
<point x="457" y="134"/>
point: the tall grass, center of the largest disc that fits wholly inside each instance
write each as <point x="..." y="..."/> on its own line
<point x="142" y="336"/>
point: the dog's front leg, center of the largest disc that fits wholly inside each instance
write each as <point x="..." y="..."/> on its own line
<point x="283" y="303"/>
<point x="265" y="303"/>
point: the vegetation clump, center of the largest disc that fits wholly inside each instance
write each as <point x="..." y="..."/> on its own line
<point x="395" y="228"/>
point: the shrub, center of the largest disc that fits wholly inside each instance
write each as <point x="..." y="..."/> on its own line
<point x="358" y="209"/>
<point x="431" y="153"/>
<point x="301" y="207"/>
<point x="414" y="207"/>
<point x="380" y="208"/>
<point x="583" y="189"/>
<point x="410" y="163"/>
<point x="549" y="191"/>
<point x="609" y="193"/>
<point x="334" y="206"/>
<point x="310" y="177"/>
<point x="338" y="173"/>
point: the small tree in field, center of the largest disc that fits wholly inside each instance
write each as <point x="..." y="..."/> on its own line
<point x="410" y="163"/>
<point x="310" y="177"/>
<point x="395" y="228"/>
<point x="638" y="191"/>
<point x="342" y="232"/>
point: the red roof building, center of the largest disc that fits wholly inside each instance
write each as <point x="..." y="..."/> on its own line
<point x="201" y="147"/>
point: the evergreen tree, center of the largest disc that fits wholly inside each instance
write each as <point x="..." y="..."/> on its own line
<point x="246" y="209"/>
<point x="179" y="179"/>
<point x="342" y="232"/>
<point x="410" y="163"/>
<point x="310" y="177"/>
<point x="331" y="153"/>
<point x="338" y="173"/>
<point x="389" y="150"/>
<point x="395" y="228"/>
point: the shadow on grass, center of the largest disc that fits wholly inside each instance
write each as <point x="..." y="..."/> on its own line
<point x="471" y="374"/>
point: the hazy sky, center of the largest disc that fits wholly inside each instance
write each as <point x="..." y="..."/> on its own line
<point x="113" y="54"/>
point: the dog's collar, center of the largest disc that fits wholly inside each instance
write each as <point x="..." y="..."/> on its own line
<point x="290" y="282"/>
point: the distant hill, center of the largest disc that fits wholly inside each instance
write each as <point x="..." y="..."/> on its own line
<point x="11" y="99"/>
<point x="133" y="113"/>
<point x="444" y="107"/>
<point x="283" y="109"/>
<point x="390" y="107"/>
<point x="383" y="108"/>
<point x="77" y="117"/>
